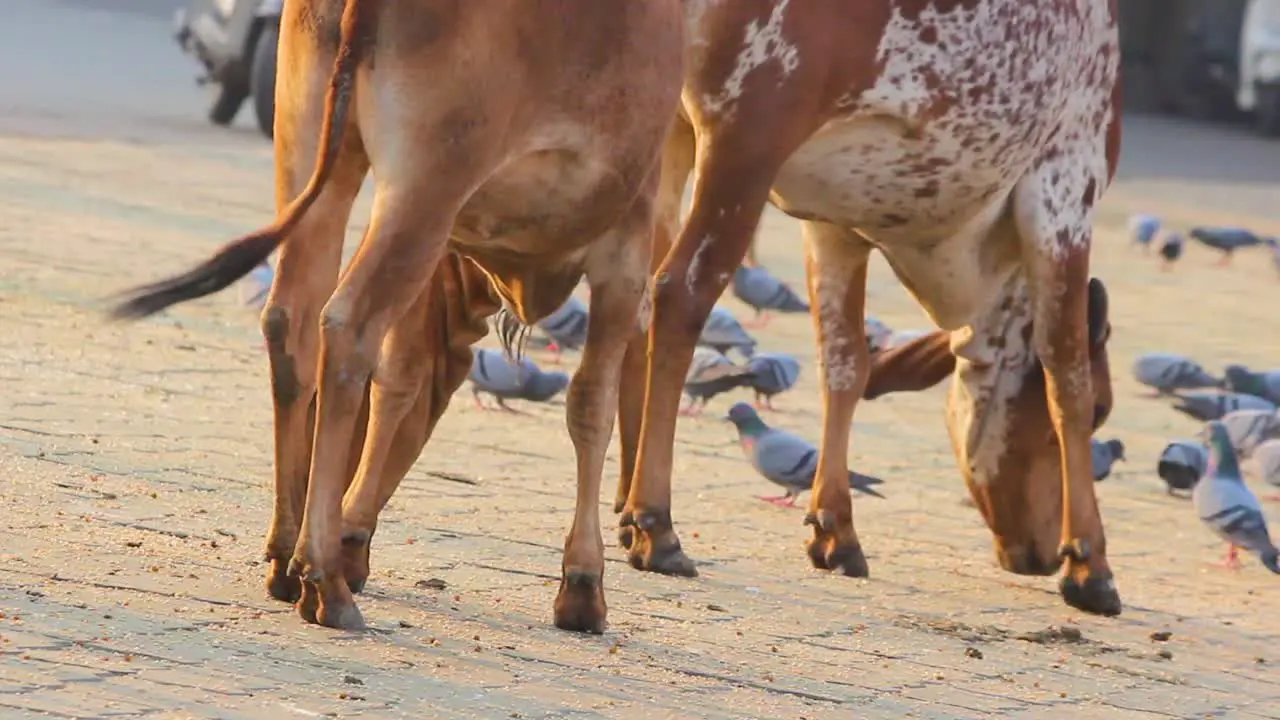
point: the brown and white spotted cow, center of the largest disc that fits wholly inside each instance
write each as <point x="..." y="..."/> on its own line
<point x="968" y="141"/>
<point x="522" y="135"/>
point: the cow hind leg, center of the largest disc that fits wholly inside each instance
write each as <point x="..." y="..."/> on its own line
<point x="306" y="272"/>
<point x="425" y="359"/>
<point x="1053" y="208"/>
<point x="412" y="214"/>
<point x="836" y="266"/>
<point x="677" y="162"/>
<point x="618" y="273"/>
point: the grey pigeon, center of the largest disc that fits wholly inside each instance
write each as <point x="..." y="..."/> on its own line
<point x="492" y="373"/>
<point x="1206" y="406"/>
<point x="1228" y="507"/>
<point x="879" y="335"/>
<point x="567" y="326"/>
<point x="1264" y="384"/>
<point x="723" y="332"/>
<point x="1225" y="239"/>
<point x="1250" y="428"/>
<point x="1106" y="454"/>
<point x="784" y="459"/>
<point x="1267" y="459"/>
<point x="1166" y="372"/>
<point x="1171" y="244"/>
<point x="1182" y="464"/>
<point x="771" y="374"/>
<point x="258" y="285"/>
<point x="710" y="374"/>
<point x="758" y="287"/>
<point x="1142" y="230"/>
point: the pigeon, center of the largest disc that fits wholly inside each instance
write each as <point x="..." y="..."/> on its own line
<point x="258" y="284"/>
<point x="1267" y="459"/>
<point x="723" y="332"/>
<point x="1106" y="454"/>
<point x="1227" y="239"/>
<point x="771" y="374"/>
<point x="1171" y="244"/>
<point x="1142" y="230"/>
<point x="1206" y="406"/>
<point x="784" y="459"/>
<point x="879" y="335"/>
<point x="758" y="287"/>
<point x="1265" y="384"/>
<point x="567" y="327"/>
<point x="1228" y="507"/>
<point x="1166" y="372"/>
<point x="1250" y="428"/>
<point x="492" y="373"/>
<point x="710" y="374"/>
<point x="1274" y="245"/>
<point x="1182" y="464"/>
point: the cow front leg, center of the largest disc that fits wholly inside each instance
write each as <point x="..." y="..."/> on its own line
<point x="836" y="266"/>
<point x="1053" y="208"/>
<point x="618" y="275"/>
<point x="677" y="160"/>
<point x="306" y="272"/>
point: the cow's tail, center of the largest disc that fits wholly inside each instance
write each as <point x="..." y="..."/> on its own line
<point x="239" y="257"/>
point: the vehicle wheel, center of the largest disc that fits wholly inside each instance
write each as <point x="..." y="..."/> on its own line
<point x="227" y="100"/>
<point x="263" y="77"/>
<point x="1267" y="113"/>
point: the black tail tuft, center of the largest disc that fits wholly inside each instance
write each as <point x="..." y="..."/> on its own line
<point x="233" y="262"/>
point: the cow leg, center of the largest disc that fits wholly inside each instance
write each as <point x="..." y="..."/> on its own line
<point x="677" y="161"/>
<point x="306" y="272"/>
<point x="425" y="359"/>
<point x="394" y="266"/>
<point x="1053" y="209"/>
<point x="836" y="266"/>
<point x="618" y="273"/>
<point x="731" y="187"/>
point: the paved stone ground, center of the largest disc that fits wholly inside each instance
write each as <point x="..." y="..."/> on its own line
<point x="136" y="465"/>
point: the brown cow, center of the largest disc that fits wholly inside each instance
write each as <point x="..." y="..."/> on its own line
<point x="968" y="141"/>
<point x="524" y="135"/>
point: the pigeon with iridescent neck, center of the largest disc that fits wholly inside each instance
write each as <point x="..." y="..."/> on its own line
<point x="784" y="459"/>
<point x="1105" y="455"/>
<point x="1182" y="464"/>
<point x="1264" y="384"/>
<point x="1228" y="507"/>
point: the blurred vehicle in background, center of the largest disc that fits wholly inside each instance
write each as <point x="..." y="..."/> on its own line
<point x="1204" y="59"/>
<point x="235" y="41"/>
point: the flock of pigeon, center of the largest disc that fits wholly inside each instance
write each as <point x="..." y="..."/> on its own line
<point x="1241" y="412"/>
<point x="1146" y="230"/>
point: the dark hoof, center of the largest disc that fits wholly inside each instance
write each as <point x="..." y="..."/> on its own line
<point x="625" y="536"/>
<point x="669" y="561"/>
<point x="835" y="548"/>
<point x="281" y="585"/>
<point x="355" y="559"/>
<point x="1098" y="595"/>
<point x="653" y="544"/>
<point x="341" y="617"/>
<point x="356" y="585"/>
<point x="579" y="605"/>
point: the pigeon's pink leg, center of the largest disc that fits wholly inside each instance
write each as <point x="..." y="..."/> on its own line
<point x="479" y="403"/>
<point x="780" y="500"/>
<point x="502" y="405"/>
<point x="1232" y="561"/>
<point x="554" y="348"/>
<point x="761" y="320"/>
<point x="1225" y="261"/>
<point x="1271" y="498"/>
<point x="694" y="408"/>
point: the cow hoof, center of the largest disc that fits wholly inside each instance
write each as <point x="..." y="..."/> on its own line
<point x="834" y="548"/>
<point x="281" y="585"/>
<point x="1097" y="595"/>
<point x="667" y="561"/>
<point x="579" y="605"/>
<point x="1027" y="560"/>
<point x="653" y="545"/>
<point x="355" y="559"/>
<point x="308" y="605"/>
<point x="626" y="534"/>
<point x="340" y="616"/>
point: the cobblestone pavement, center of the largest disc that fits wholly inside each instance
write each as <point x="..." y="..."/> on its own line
<point x="136" y="464"/>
